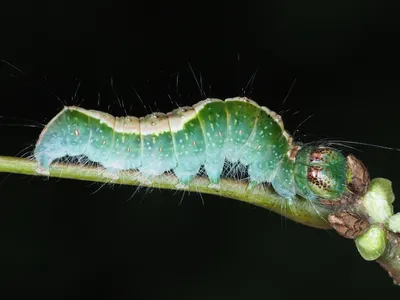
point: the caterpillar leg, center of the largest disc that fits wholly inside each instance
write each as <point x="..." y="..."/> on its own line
<point x="146" y="180"/>
<point x="43" y="170"/>
<point x="43" y="165"/>
<point x="283" y="182"/>
<point x="150" y="171"/>
<point x="259" y="172"/>
<point x="44" y="160"/>
<point x="185" y="176"/>
<point x="111" y="173"/>
<point x="283" y="188"/>
<point x="214" y="171"/>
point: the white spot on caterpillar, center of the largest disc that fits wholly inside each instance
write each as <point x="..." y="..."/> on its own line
<point x="76" y="132"/>
<point x="104" y="142"/>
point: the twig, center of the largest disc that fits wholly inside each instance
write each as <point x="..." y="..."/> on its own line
<point x="351" y="221"/>
<point x="302" y="211"/>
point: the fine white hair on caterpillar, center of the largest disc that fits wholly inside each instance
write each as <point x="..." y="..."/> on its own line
<point x="203" y="136"/>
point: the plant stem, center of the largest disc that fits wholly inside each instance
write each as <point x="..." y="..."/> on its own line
<point x="300" y="211"/>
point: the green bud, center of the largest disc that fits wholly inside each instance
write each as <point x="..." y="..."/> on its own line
<point x="378" y="200"/>
<point x="394" y="223"/>
<point x="372" y="243"/>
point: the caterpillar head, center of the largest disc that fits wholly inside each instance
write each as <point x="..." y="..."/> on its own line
<point x="325" y="173"/>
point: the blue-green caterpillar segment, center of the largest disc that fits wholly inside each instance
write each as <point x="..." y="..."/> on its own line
<point x="206" y="134"/>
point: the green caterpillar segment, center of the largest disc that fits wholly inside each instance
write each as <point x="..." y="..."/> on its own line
<point x="283" y="182"/>
<point x="189" y="142"/>
<point x="184" y="140"/>
<point x="213" y="120"/>
<point x="100" y="144"/>
<point x="127" y="144"/>
<point x="157" y="146"/>
<point x="241" y="116"/>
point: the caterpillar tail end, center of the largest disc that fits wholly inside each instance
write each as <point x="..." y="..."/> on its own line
<point x="43" y="165"/>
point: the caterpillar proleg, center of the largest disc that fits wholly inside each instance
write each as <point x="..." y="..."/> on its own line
<point x="205" y="134"/>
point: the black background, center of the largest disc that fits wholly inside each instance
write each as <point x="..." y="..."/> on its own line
<point x="70" y="239"/>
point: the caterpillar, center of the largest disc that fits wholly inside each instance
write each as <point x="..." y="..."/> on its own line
<point x="203" y="135"/>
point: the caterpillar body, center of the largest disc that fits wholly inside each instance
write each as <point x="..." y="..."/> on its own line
<point x="205" y="134"/>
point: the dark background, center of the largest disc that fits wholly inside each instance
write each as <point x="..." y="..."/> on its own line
<point x="70" y="239"/>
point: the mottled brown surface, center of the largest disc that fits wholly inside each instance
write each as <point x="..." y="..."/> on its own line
<point x="347" y="224"/>
<point x="293" y="152"/>
<point x="357" y="187"/>
<point x="317" y="177"/>
<point x="360" y="179"/>
<point x="318" y="154"/>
